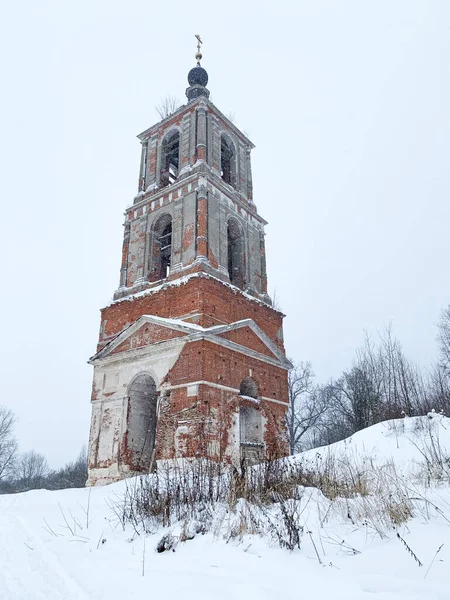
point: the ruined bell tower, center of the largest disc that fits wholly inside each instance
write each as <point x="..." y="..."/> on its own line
<point x="190" y="359"/>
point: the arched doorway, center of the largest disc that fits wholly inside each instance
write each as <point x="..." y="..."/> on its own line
<point x="142" y="401"/>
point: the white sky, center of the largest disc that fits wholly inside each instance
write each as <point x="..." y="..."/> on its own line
<point x="348" y="105"/>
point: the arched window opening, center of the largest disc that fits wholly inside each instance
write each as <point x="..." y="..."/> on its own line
<point x="165" y="243"/>
<point x="250" y="425"/>
<point x="170" y="158"/>
<point x="162" y="248"/>
<point x="142" y="401"/>
<point x="227" y="160"/>
<point x="248" y="388"/>
<point x="236" y="261"/>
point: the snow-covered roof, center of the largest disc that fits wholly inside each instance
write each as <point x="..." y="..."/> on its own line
<point x="194" y="332"/>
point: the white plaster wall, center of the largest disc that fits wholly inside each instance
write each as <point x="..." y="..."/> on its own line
<point x="112" y="377"/>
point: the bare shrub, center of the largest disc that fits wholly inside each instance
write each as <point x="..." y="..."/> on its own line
<point x="167" y="106"/>
<point x="444" y="339"/>
<point x="178" y="491"/>
<point x="436" y="459"/>
<point x="409" y="550"/>
<point x="270" y="500"/>
<point x="289" y="536"/>
<point x="167" y="542"/>
<point x="386" y="503"/>
<point x="267" y="499"/>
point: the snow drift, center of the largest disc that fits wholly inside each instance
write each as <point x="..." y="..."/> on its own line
<point x="387" y="536"/>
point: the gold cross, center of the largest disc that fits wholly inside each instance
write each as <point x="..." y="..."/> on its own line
<point x="198" y="56"/>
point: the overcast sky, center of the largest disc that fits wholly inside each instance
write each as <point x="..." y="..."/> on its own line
<point x="348" y="104"/>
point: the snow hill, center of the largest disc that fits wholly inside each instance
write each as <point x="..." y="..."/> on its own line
<point x="407" y="444"/>
<point x="69" y="545"/>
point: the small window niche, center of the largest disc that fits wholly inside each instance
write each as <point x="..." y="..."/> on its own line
<point x="249" y="388"/>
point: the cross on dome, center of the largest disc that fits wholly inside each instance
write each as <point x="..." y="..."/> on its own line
<point x="197" y="77"/>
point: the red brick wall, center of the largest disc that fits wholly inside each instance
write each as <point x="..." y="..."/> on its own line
<point x="208" y="419"/>
<point x="209" y="414"/>
<point x="216" y="302"/>
<point x="206" y="361"/>
<point x="246" y="337"/>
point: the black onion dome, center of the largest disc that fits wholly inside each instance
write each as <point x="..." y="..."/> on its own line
<point x="198" y="76"/>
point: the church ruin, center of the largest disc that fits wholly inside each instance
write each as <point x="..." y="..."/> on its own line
<point x="190" y="359"/>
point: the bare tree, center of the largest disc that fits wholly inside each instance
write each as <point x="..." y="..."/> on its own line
<point x="167" y="106"/>
<point x="381" y="384"/>
<point x="8" y="443"/>
<point x="356" y="399"/>
<point x="438" y="391"/>
<point x="444" y="339"/>
<point x="334" y="425"/>
<point x="306" y="406"/>
<point x="31" y="469"/>
<point x="401" y="379"/>
<point x="397" y="381"/>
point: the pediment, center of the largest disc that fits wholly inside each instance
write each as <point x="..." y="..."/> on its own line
<point x="146" y="335"/>
<point x="252" y="337"/>
<point x="145" y="331"/>
<point x="245" y="336"/>
<point x="148" y="331"/>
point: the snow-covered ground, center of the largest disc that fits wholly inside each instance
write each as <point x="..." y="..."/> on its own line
<point x="49" y="551"/>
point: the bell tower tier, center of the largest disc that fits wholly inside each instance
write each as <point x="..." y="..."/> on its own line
<point x="190" y="359"/>
<point x="194" y="209"/>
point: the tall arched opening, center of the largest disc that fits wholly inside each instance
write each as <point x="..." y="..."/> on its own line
<point x="236" y="257"/>
<point x="227" y="160"/>
<point x="161" y="253"/>
<point x="170" y="158"/>
<point x="141" y="437"/>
